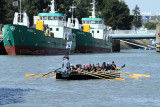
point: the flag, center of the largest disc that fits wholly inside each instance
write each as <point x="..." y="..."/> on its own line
<point x="69" y="44"/>
<point x="15" y="3"/>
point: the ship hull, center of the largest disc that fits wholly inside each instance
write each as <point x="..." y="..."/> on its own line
<point x="91" y="49"/>
<point x="85" y="76"/>
<point x="29" y="50"/>
<point x="85" y="43"/>
<point x="21" y="40"/>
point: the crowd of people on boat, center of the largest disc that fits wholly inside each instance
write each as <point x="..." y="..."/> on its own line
<point x="86" y="67"/>
<point x="92" y="67"/>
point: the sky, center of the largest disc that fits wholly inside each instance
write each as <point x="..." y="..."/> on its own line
<point x="152" y="6"/>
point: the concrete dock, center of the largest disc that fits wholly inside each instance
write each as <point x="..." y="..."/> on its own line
<point x="158" y="38"/>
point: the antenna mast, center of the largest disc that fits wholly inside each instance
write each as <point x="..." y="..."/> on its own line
<point x="52" y="6"/>
<point x="72" y="11"/>
<point x="20" y="10"/>
<point x="94" y="9"/>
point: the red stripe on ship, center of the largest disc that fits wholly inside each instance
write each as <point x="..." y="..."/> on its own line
<point x="90" y="49"/>
<point x="30" y="50"/>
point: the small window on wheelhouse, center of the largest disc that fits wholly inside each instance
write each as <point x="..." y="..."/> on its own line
<point x="20" y="17"/>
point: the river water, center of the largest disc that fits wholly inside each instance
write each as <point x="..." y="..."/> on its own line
<point x="18" y="91"/>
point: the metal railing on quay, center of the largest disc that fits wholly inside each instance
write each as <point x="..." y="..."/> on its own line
<point x="133" y="32"/>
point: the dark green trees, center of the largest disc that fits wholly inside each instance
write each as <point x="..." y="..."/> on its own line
<point x="116" y="14"/>
<point x="83" y="8"/>
<point x="33" y="7"/>
<point x="150" y="25"/>
<point x="137" y="20"/>
<point x="2" y="10"/>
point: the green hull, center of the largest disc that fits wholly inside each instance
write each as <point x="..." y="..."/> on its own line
<point x="85" y="43"/>
<point x="21" y="40"/>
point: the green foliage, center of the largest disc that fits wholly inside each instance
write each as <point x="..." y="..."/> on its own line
<point x="116" y="14"/>
<point x="2" y="10"/>
<point x="7" y="11"/>
<point x="63" y="6"/>
<point x="137" y="22"/>
<point x="33" y="7"/>
<point x="156" y="17"/>
<point x="83" y="8"/>
<point x="150" y="26"/>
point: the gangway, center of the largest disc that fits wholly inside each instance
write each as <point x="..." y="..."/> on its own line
<point x="132" y="34"/>
<point x="142" y="46"/>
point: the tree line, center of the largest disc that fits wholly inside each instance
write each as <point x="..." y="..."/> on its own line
<point x="115" y="12"/>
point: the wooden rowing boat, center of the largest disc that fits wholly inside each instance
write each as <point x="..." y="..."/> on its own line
<point x="88" y="75"/>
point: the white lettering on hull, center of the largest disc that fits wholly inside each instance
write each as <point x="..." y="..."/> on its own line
<point x="35" y="52"/>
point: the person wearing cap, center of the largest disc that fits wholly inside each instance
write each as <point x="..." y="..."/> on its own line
<point x="66" y="64"/>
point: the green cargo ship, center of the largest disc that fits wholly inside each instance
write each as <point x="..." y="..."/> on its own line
<point x="93" y="37"/>
<point x="51" y="35"/>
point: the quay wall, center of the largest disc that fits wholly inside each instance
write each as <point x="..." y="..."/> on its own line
<point x="158" y="38"/>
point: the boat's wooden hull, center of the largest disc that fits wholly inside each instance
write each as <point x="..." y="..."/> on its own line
<point x="82" y="76"/>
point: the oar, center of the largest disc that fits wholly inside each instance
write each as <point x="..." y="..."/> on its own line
<point x="141" y="75"/>
<point x="46" y="75"/>
<point x="29" y="75"/>
<point x="53" y="74"/>
<point x="111" y="74"/>
<point x="135" y="75"/>
<point x="34" y="75"/>
<point x="94" y="75"/>
<point x="121" y="67"/>
<point x="101" y="76"/>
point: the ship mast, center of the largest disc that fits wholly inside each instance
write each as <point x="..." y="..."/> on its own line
<point x="20" y="10"/>
<point x="93" y="9"/>
<point x="72" y="11"/>
<point x="52" y="6"/>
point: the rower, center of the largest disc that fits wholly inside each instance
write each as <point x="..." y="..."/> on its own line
<point x="113" y="65"/>
<point x="66" y="64"/>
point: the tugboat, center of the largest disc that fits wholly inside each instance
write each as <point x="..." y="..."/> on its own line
<point x="51" y="36"/>
<point x="92" y="36"/>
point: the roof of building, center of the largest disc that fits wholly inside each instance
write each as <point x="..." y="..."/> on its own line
<point x="50" y="14"/>
<point x="95" y="19"/>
